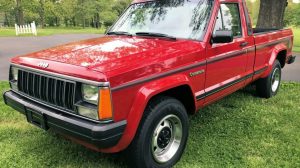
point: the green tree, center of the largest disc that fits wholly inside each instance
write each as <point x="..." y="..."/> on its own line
<point x="253" y="7"/>
<point x="31" y="11"/>
<point x="42" y="12"/>
<point x="67" y="10"/>
<point x="120" y="5"/>
<point x="95" y="13"/>
<point x="19" y="12"/>
<point x="52" y="14"/>
<point x="8" y="8"/>
<point x="85" y="11"/>
<point x="292" y="15"/>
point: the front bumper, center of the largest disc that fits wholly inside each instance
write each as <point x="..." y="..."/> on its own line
<point x="100" y="135"/>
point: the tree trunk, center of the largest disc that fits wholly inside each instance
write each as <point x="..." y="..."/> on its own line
<point x="42" y="12"/>
<point x="56" y="21"/>
<point x="93" y="24"/>
<point x="97" y="20"/>
<point x="74" y="22"/>
<point x="6" y="22"/>
<point x="66" y="22"/>
<point x="271" y="14"/>
<point x="20" y="14"/>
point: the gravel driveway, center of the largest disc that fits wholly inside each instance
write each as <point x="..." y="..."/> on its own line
<point x="13" y="46"/>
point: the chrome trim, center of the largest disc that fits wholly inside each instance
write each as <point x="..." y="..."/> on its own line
<point x="275" y="80"/>
<point x="43" y="64"/>
<point x="193" y="74"/>
<point x="164" y="148"/>
<point x="85" y="81"/>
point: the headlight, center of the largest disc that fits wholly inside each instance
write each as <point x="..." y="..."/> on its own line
<point x="14" y="74"/>
<point x="90" y="94"/>
<point x="101" y="98"/>
<point x="88" y="112"/>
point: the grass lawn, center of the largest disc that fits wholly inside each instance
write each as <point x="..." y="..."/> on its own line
<point x="238" y="131"/>
<point x="51" y="31"/>
<point x="296" y="40"/>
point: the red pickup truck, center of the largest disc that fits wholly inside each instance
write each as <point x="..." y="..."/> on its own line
<point x="134" y="88"/>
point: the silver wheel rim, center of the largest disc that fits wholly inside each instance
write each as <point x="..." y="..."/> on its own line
<point x="166" y="139"/>
<point x="275" y="80"/>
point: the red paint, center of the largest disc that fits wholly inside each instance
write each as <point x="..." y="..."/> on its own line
<point x="121" y="60"/>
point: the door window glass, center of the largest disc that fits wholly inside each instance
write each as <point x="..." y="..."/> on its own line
<point x="229" y="19"/>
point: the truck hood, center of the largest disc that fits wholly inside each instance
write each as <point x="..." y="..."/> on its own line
<point x="100" y="51"/>
<point x="110" y="54"/>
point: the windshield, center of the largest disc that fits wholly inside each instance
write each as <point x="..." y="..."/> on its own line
<point x="185" y="19"/>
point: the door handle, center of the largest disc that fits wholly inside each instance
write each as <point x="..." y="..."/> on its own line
<point x="244" y="44"/>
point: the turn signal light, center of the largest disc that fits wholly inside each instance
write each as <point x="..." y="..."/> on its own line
<point x="105" y="104"/>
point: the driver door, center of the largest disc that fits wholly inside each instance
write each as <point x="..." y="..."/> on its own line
<point x="226" y="62"/>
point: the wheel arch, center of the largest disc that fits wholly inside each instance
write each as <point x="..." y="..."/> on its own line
<point x="281" y="57"/>
<point x="279" y="53"/>
<point x="167" y="86"/>
<point x="183" y="93"/>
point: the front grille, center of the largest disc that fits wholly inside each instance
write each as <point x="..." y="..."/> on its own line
<point x="50" y="90"/>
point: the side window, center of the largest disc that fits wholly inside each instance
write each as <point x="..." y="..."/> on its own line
<point x="219" y="23"/>
<point x="229" y="19"/>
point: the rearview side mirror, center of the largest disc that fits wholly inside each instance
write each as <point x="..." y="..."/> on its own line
<point x="222" y="36"/>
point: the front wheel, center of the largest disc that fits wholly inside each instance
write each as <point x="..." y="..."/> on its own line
<point x="269" y="86"/>
<point x="162" y="135"/>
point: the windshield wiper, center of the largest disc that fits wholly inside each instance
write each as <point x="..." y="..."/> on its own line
<point x="119" y="33"/>
<point x="150" y="34"/>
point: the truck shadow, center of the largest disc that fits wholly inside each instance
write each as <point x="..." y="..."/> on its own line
<point x="53" y="150"/>
<point x="59" y="152"/>
<point x="220" y="132"/>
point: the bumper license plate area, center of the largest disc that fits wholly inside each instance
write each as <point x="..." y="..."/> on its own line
<point x="36" y="118"/>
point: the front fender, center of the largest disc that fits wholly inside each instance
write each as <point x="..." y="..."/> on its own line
<point x="277" y="49"/>
<point x="145" y="93"/>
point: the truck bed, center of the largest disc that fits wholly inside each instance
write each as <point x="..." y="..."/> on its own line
<point x="264" y="30"/>
<point x="268" y="41"/>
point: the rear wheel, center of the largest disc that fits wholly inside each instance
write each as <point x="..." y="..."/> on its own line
<point x="269" y="86"/>
<point x="162" y="135"/>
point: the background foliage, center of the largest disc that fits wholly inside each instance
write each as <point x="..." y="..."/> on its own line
<point x="292" y="13"/>
<point x="85" y="13"/>
<point x="94" y="13"/>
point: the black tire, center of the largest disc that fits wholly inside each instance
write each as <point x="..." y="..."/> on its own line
<point x="264" y="86"/>
<point x="140" y="153"/>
